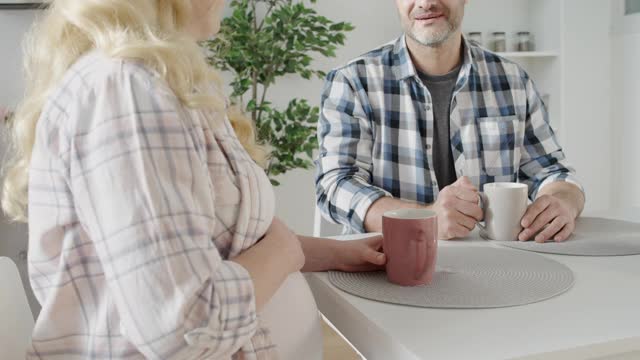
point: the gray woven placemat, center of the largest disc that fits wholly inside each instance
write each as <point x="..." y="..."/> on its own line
<point x="592" y="237"/>
<point x="468" y="277"/>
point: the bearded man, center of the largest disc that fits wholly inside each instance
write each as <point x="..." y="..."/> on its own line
<point x="426" y="121"/>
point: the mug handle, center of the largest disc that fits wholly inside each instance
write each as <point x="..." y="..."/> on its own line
<point x="482" y="202"/>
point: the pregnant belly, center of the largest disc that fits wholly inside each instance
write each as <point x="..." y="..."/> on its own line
<point x="294" y="321"/>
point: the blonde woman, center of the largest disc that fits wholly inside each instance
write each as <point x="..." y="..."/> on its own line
<point x="151" y="228"/>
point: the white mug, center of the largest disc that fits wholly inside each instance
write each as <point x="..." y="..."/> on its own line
<point x="504" y="204"/>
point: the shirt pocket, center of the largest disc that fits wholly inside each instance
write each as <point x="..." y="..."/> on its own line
<point x="498" y="150"/>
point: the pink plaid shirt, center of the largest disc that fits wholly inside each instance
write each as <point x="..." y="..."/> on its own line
<point x="136" y="203"/>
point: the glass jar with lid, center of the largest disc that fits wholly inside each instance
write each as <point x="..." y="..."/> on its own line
<point x="524" y="41"/>
<point x="499" y="41"/>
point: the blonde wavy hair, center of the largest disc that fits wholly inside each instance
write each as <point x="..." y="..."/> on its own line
<point x="151" y="31"/>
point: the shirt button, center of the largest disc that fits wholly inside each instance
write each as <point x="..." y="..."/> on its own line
<point x="427" y="107"/>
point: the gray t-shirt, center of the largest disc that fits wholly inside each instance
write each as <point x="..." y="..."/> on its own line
<point x="441" y="90"/>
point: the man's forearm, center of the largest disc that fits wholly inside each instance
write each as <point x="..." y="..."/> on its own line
<point x="373" y="219"/>
<point x="567" y="192"/>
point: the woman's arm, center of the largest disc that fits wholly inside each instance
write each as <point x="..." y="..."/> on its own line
<point x="271" y="260"/>
<point x="323" y="254"/>
<point x="143" y="195"/>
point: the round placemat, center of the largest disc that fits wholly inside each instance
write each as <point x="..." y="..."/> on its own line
<point x="592" y="237"/>
<point x="468" y="277"/>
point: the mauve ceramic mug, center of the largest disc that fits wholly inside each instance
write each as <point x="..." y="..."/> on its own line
<point x="410" y="242"/>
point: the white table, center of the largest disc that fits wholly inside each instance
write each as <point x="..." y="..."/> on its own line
<point x="598" y="318"/>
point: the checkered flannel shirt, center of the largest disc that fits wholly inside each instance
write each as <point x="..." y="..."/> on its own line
<point x="376" y="131"/>
<point x="136" y="205"/>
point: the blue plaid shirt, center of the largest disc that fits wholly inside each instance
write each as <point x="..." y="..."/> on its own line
<point x="376" y="132"/>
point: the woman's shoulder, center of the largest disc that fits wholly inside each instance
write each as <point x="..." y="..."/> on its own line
<point x="94" y="70"/>
<point x="98" y="79"/>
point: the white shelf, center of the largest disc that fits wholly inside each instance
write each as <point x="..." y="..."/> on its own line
<point x="528" y="54"/>
<point x="545" y="21"/>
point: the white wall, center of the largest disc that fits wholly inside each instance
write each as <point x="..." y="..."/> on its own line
<point x="586" y="124"/>
<point x="13" y="25"/>
<point x="626" y="109"/>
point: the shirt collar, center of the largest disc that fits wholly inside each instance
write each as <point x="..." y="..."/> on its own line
<point x="403" y="67"/>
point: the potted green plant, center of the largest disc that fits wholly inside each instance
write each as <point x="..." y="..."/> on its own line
<point x="262" y="41"/>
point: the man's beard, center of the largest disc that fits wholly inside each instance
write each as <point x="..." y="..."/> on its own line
<point x="438" y="38"/>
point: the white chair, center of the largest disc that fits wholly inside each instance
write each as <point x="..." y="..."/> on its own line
<point x="322" y="227"/>
<point x="16" y="320"/>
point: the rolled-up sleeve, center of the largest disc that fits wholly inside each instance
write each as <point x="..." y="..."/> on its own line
<point x="143" y="194"/>
<point x="344" y="189"/>
<point x="542" y="160"/>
